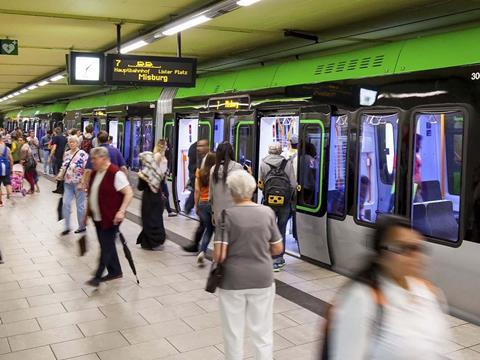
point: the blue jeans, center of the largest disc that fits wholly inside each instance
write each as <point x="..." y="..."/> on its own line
<point x="47" y="168"/>
<point x="70" y="192"/>
<point x="205" y="215"/>
<point x="282" y="214"/>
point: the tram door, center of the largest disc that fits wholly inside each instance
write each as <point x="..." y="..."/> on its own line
<point x="279" y="128"/>
<point x="188" y="129"/>
<point x="311" y="209"/>
<point x="243" y="137"/>
<point x="127" y="141"/>
<point x="147" y="134"/>
<point x="169" y="135"/>
<point x="113" y="127"/>
<point x="136" y="143"/>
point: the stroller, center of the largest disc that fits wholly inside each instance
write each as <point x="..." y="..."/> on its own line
<point x="17" y="179"/>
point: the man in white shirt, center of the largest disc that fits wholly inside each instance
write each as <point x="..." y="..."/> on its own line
<point x="108" y="198"/>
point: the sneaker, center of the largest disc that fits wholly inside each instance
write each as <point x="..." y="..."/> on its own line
<point x="276" y="267"/>
<point x="172" y="214"/>
<point x="200" y="258"/>
<point x="65" y="232"/>
<point x="79" y="231"/>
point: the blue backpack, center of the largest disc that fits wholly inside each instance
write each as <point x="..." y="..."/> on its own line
<point x="4" y="163"/>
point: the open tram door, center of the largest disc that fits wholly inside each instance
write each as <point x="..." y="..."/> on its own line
<point x="279" y="126"/>
<point x="168" y="133"/>
<point x="311" y="208"/>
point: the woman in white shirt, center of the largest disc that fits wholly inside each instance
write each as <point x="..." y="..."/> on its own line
<point x="390" y="311"/>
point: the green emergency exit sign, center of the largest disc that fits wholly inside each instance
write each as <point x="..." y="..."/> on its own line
<point x="8" y="47"/>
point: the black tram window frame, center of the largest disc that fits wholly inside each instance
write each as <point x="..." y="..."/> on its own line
<point x="358" y="120"/>
<point x="347" y="166"/>
<point x="320" y="210"/>
<point x="467" y="111"/>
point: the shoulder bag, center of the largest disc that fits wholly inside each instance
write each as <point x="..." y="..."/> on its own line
<point x="63" y="171"/>
<point x="215" y="276"/>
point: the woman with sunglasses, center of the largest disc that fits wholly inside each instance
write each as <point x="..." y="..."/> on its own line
<point x="390" y="311"/>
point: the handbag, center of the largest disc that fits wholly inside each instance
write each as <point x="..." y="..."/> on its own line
<point x="215" y="276"/>
<point x="63" y="171"/>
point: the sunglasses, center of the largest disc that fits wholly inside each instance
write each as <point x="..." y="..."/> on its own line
<point x="406" y="249"/>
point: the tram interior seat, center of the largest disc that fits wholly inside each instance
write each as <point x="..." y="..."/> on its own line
<point x="431" y="190"/>
<point x="435" y="219"/>
<point x="419" y="217"/>
<point x="442" y="220"/>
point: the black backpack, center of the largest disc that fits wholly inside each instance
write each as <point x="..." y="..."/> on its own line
<point x="277" y="189"/>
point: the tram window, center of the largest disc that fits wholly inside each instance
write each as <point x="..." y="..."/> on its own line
<point x="218" y="132"/>
<point x="147" y="135"/>
<point x="245" y="145"/>
<point x="376" y="166"/>
<point x="204" y="131"/>
<point x="337" y="165"/>
<point x="436" y="180"/>
<point x="113" y="131"/>
<point x="309" y="166"/>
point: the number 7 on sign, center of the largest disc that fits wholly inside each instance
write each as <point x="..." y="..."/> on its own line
<point x="117" y="61"/>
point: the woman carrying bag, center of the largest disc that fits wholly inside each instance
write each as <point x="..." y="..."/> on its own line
<point x="247" y="240"/>
<point x="71" y="172"/>
<point x="150" y="179"/>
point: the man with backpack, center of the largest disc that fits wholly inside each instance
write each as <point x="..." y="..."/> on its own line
<point x="87" y="139"/>
<point x="6" y="166"/>
<point x="278" y="182"/>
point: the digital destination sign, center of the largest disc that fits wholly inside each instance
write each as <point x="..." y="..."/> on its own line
<point x="229" y="103"/>
<point x="150" y="71"/>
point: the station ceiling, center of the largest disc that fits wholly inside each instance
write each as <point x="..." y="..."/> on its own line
<point x="47" y="30"/>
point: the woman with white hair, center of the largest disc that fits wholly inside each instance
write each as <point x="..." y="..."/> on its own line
<point x="245" y="245"/>
<point x="71" y="172"/>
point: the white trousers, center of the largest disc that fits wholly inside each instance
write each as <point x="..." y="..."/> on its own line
<point x="253" y="308"/>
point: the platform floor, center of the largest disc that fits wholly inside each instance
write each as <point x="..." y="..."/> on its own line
<point x="46" y="311"/>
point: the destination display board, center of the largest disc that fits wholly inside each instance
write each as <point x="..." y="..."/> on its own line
<point x="150" y="71"/>
<point x="229" y="103"/>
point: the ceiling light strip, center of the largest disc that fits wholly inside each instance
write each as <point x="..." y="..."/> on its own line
<point x="186" y="22"/>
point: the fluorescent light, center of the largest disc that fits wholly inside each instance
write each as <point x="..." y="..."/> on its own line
<point x="43" y="83"/>
<point x="56" y="78"/>
<point x="16" y="93"/>
<point x="32" y="87"/>
<point x="23" y="91"/>
<point x="409" y="95"/>
<point x="186" y="25"/>
<point x="9" y="96"/>
<point x="246" y="2"/>
<point x="133" y="46"/>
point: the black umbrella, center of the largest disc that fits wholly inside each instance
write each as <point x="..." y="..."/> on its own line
<point x="82" y="243"/>
<point x="128" y="255"/>
<point x="60" y="209"/>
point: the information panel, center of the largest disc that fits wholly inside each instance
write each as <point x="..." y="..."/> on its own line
<point x="150" y="71"/>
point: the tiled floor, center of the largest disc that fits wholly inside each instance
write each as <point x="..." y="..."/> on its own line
<point x="46" y="311"/>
